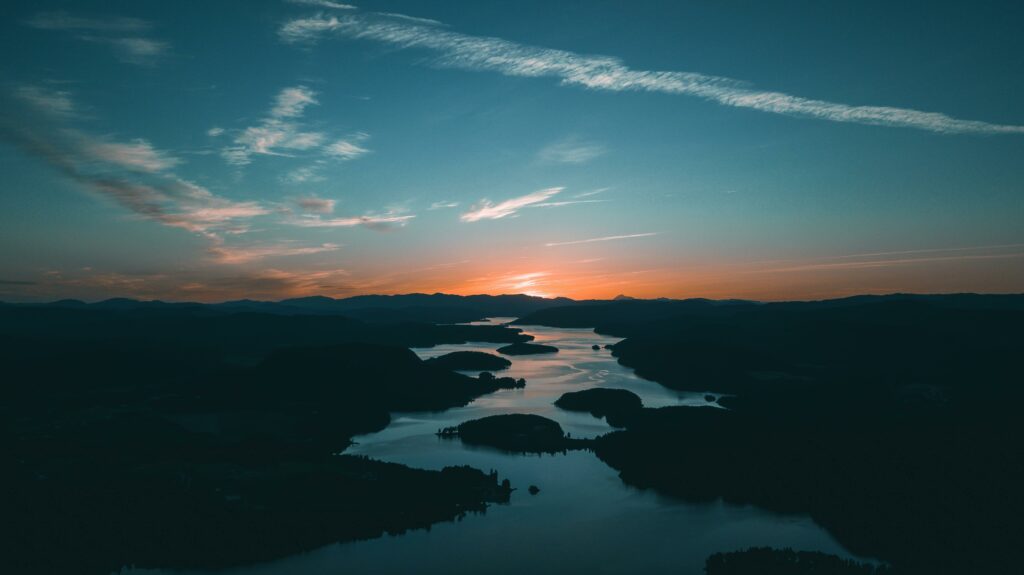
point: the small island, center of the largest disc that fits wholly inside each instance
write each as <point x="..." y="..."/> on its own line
<point x="492" y="383"/>
<point x="616" y="405"/>
<point x="523" y="348"/>
<point x="515" y="432"/>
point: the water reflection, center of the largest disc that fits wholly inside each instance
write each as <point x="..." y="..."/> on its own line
<point x="583" y="519"/>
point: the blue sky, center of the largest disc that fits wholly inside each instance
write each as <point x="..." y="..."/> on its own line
<point x="241" y="149"/>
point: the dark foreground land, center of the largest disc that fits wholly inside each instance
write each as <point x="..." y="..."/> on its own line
<point x="895" y="422"/>
<point x="765" y="561"/>
<point x="179" y="435"/>
<point x="174" y="439"/>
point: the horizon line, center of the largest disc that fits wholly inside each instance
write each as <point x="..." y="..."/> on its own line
<point x="620" y="297"/>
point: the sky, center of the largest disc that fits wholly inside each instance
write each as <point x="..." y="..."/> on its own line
<point x="266" y="150"/>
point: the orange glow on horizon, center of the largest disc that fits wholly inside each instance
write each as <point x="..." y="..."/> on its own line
<point x="550" y="274"/>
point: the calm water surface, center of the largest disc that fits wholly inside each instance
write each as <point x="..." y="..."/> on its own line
<point x="583" y="520"/>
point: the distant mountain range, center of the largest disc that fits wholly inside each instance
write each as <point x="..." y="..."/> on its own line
<point x="431" y="308"/>
<point x="561" y="311"/>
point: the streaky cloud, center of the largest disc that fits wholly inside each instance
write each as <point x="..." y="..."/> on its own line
<point x="240" y="255"/>
<point x="277" y="133"/>
<point x="417" y="19"/>
<point x="898" y="258"/>
<point x="886" y="263"/>
<point x="571" y="151"/>
<point x="373" y="221"/>
<point x="291" y="102"/>
<point x="140" y="51"/>
<point x="280" y="133"/>
<point x="591" y="193"/>
<point x="487" y="210"/>
<point x="197" y="283"/>
<point x="323" y="4"/>
<point x="53" y="102"/>
<point x="932" y="250"/>
<point x="443" y="205"/>
<point x="608" y="73"/>
<point x="64" y="21"/>
<point x="137" y="155"/>
<point x="601" y="239"/>
<point x="122" y="34"/>
<point x="134" y="174"/>
<point x="348" y="148"/>
<point x="567" y="203"/>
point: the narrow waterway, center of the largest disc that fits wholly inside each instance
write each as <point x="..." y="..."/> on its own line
<point x="584" y="520"/>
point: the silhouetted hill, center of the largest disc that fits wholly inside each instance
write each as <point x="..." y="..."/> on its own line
<point x="432" y="308"/>
<point x="393" y="378"/>
<point x="244" y="334"/>
<point x="892" y="421"/>
<point x="625" y="311"/>
<point x="135" y="438"/>
<point x="443" y="308"/>
<point x="616" y="317"/>
<point x="470" y="361"/>
<point x="879" y="345"/>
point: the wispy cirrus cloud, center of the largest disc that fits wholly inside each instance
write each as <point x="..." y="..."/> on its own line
<point x="601" y="239"/>
<point x="191" y="284"/>
<point x="65" y="21"/>
<point x="123" y="35"/>
<point x="571" y="151"/>
<point x="137" y="154"/>
<point x="443" y="205"/>
<point x="487" y="210"/>
<point x="234" y="255"/>
<point x="52" y="102"/>
<point x="323" y="4"/>
<point x="591" y="193"/>
<point x="277" y="133"/>
<point x="567" y="203"/>
<point x="406" y="17"/>
<point x="348" y="148"/>
<point x="280" y="133"/>
<point x="380" y="222"/>
<point x="485" y="53"/>
<point x="140" y="51"/>
<point x="133" y="174"/>
<point x="292" y="102"/>
<point x="900" y="258"/>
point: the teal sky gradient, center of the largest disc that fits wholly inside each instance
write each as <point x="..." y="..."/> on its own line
<point x="219" y="150"/>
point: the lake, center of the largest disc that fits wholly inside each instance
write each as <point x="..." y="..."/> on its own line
<point x="584" y="519"/>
